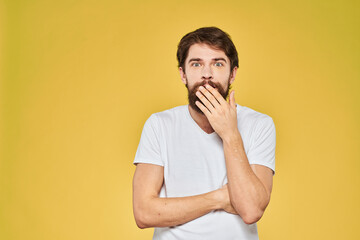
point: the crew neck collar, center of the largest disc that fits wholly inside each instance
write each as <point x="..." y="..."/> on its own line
<point x="196" y="125"/>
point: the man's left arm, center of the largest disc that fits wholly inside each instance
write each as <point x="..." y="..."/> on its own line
<point x="249" y="185"/>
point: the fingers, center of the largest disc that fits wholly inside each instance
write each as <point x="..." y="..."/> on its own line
<point x="204" y="99"/>
<point x="203" y="108"/>
<point x="207" y="99"/>
<point x="216" y="94"/>
<point x="210" y="96"/>
<point x="212" y="102"/>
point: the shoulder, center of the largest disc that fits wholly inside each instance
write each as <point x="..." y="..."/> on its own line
<point x="167" y="118"/>
<point x="169" y="114"/>
<point x="252" y="117"/>
<point x="165" y="122"/>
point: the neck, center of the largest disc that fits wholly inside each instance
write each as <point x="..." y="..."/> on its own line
<point x="201" y="120"/>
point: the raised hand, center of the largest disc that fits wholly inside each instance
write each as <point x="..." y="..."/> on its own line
<point x="220" y="113"/>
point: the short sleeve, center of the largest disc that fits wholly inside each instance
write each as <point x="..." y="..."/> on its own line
<point x="148" y="150"/>
<point x="262" y="151"/>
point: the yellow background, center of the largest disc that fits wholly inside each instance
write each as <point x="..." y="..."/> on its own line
<point x="79" y="79"/>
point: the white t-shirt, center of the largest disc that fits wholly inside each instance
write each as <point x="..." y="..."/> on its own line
<point x="194" y="163"/>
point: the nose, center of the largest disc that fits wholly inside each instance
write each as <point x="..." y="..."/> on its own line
<point x="206" y="73"/>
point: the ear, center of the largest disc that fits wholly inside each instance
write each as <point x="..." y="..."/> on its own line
<point x="182" y="75"/>
<point x="233" y="74"/>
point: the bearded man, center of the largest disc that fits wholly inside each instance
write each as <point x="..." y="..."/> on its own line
<point x="205" y="170"/>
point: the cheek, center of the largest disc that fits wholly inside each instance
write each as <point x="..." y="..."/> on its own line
<point x="222" y="75"/>
<point x="223" y="71"/>
<point x="192" y="74"/>
<point x="193" y="78"/>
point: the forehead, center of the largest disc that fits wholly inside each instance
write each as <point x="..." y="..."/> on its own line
<point x="205" y="52"/>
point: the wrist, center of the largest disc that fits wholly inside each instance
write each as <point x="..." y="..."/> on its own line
<point x="232" y="137"/>
<point x="216" y="200"/>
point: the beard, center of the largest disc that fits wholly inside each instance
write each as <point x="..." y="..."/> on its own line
<point x="192" y="92"/>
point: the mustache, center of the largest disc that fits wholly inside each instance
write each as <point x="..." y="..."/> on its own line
<point x="192" y="92"/>
<point x="204" y="82"/>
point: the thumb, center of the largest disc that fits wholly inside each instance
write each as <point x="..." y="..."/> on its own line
<point x="232" y="99"/>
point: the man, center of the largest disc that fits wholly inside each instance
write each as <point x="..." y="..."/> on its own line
<point x="205" y="170"/>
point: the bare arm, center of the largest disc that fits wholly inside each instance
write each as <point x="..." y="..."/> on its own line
<point x="152" y="211"/>
<point x="249" y="187"/>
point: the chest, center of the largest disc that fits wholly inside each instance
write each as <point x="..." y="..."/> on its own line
<point x="194" y="162"/>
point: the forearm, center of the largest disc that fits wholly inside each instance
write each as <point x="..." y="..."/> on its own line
<point x="166" y="212"/>
<point x="248" y="195"/>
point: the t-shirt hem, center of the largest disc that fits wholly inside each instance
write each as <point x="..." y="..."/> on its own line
<point x="266" y="165"/>
<point x="150" y="161"/>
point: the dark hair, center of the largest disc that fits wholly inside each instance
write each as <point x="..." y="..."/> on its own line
<point x="212" y="36"/>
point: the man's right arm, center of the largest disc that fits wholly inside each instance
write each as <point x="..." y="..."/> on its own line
<point x="152" y="211"/>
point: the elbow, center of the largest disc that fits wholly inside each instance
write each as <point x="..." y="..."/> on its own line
<point x="142" y="219"/>
<point x="140" y="224"/>
<point x="253" y="217"/>
<point x="144" y="214"/>
<point x="250" y="214"/>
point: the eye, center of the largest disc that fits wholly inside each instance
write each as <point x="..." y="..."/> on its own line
<point x="195" y="64"/>
<point x="219" y="64"/>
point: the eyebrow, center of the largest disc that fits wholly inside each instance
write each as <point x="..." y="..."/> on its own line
<point x="194" y="60"/>
<point x="218" y="59"/>
<point x="199" y="59"/>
